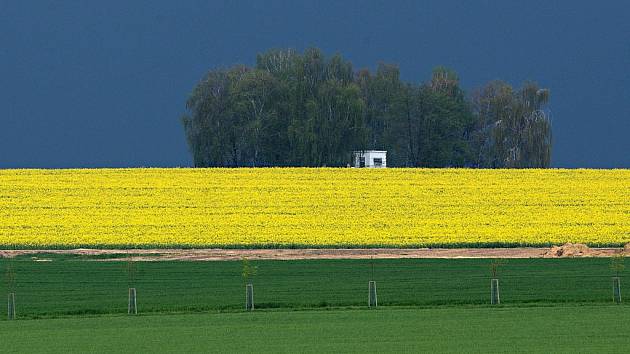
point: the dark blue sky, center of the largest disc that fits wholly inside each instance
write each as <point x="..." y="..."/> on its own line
<point x="103" y="83"/>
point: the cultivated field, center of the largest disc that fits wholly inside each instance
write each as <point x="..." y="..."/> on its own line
<point x="64" y="285"/>
<point x="302" y="207"/>
<point x="565" y="329"/>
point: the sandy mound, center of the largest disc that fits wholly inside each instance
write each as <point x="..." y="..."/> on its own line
<point x="570" y="250"/>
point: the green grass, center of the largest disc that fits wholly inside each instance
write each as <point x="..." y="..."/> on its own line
<point x="73" y="285"/>
<point x="561" y="329"/>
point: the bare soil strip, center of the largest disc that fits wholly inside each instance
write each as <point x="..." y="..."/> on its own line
<point x="568" y="250"/>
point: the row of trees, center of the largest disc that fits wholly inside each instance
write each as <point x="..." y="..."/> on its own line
<point x="295" y="109"/>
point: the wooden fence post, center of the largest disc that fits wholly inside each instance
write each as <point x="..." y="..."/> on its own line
<point x="494" y="292"/>
<point x="11" y="306"/>
<point x="372" y="299"/>
<point x="616" y="290"/>
<point x="249" y="297"/>
<point x="132" y="307"/>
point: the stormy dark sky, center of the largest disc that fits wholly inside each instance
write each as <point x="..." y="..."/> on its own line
<point x="103" y="83"/>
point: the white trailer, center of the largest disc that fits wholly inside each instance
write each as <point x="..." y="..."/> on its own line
<point x="370" y="159"/>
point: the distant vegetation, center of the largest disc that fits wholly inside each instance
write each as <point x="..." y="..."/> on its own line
<point x="295" y="109"/>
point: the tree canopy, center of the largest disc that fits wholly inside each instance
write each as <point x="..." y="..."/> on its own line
<point x="306" y="109"/>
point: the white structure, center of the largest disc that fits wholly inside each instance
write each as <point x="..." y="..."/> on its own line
<point x="370" y="158"/>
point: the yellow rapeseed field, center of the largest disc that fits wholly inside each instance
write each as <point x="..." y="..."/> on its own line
<point x="312" y="207"/>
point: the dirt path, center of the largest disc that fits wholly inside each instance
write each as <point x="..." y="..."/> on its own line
<point x="569" y="250"/>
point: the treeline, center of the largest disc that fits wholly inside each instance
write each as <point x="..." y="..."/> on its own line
<point x="295" y="109"/>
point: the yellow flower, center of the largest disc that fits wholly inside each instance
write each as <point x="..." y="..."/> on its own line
<point x="312" y="207"/>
